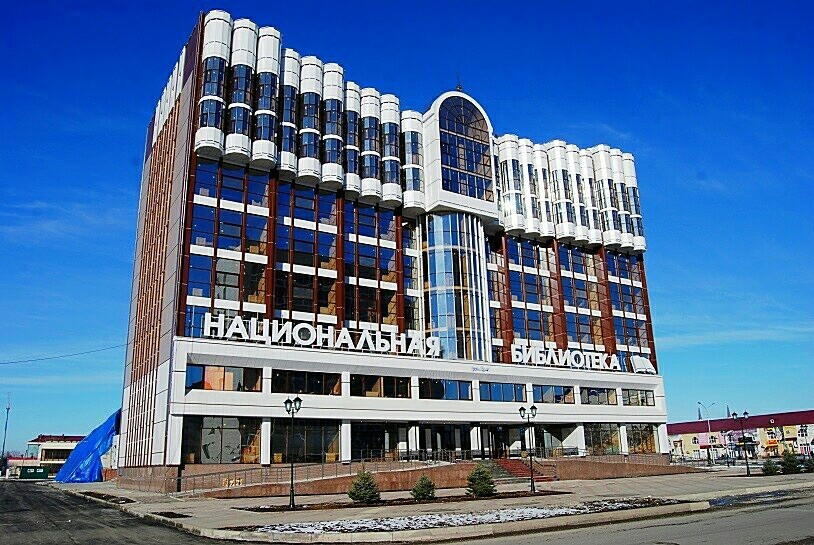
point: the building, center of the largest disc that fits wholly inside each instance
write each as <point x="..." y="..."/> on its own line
<point x="50" y="451"/>
<point x="413" y="276"/>
<point x="766" y="435"/>
<point x="16" y="463"/>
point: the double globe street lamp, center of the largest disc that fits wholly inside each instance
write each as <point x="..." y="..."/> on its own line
<point x="292" y="408"/>
<point x="527" y="416"/>
<point x="742" y="418"/>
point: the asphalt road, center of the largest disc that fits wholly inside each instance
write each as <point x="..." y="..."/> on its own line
<point x="789" y="522"/>
<point x="33" y="514"/>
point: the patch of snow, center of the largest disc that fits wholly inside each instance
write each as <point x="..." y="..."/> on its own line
<point x="420" y="522"/>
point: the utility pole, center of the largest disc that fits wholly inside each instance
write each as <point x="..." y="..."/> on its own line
<point x="5" y="431"/>
<point x="710" y="452"/>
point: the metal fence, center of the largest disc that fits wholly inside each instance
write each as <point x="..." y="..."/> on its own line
<point x="377" y="461"/>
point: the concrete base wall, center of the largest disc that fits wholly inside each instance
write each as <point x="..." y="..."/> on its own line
<point x="149" y="478"/>
<point x="449" y="476"/>
<point x="567" y="470"/>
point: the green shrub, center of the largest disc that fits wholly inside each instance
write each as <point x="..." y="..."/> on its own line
<point x="790" y="463"/>
<point x="809" y="464"/>
<point x="770" y="467"/>
<point x="424" y="489"/>
<point x="364" y="489"/>
<point x="480" y="482"/>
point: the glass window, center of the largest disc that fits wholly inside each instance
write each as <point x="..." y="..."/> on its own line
<point x="465" y="149"/>
<point x="309" y="113"/>
<point x="444" y="389"/>
<point x="206" y="177"/>
<point x="256" y="233"/>
<point x="229" y="232"/>
<point x="220" y="440"/>
<point x="641" y="438"/>
<point x="266" y="91"/>
<point x="258" y="188"/>
<point x="227" y="275"/>
<point x="214" y="77"/>
<point x="502" y="391"/>
<point x="234" y="379"/>
<point x="602" y="439"/>
<point x="199" y="276"/>
<point x="597" y="396"/>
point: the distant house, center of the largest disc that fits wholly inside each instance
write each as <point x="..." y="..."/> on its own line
<point x="764" y="435"/>
<point x="52" y="450"/>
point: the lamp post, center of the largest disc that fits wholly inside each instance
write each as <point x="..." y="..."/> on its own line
<point x="731" y="445"/>
<point x="527" y="416"/>
<point x="292" y="408"/>
<point x="741" y="419"/>
<point x="710" y="454"/>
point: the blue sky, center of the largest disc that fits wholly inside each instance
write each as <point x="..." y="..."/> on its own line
<point x="714" y="101"/>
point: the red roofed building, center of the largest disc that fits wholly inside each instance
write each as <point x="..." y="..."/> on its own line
<point x="766" y="435"/>
<point x="52" y="450"/>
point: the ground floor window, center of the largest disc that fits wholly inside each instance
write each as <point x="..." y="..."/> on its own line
<point x="377" y="439"/>
<point x="444" y="437"/>
<point x="220" y="440"/>
<point x="550" y="440"/>
<point x="602" y="439"/>
<point x="641" y="438"/>
<point x="312" y="440"/>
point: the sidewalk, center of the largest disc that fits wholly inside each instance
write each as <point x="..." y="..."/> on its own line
<point x="205" y="516"/>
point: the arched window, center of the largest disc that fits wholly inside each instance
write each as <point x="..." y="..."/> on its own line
<point x="466" y="160"/>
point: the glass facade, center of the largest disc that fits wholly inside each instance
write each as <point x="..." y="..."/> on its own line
<point x="455" y="272"/>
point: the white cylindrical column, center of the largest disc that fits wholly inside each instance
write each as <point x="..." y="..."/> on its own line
<point x="531" y="188"/>
<point x="608" y="201"/>
<point x="564" y="215"/>
<point x="353" y="140"/>
<point x="621" y="191"/>
<point x="412" y="159"/>
<point x="371" y="146"/>
<point x="541" y="165"/>
<point x="333" y="99"/>
<point x="589" y="186"/>
<point x="632" y="184"/>
<point x="391" y="154"/>
<point x="241" y="85"/>
<point x="212" y="111"/>
<point x="264" y="143"/>
<point x="578" y="196"/>
<point x="288" y="115"/>
<point x="309" y="170"/>
<point x="511" y="181"/>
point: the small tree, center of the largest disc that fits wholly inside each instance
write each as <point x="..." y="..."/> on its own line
<point x="770" y="467"/>
<point x="364" y="488"/>
<point x="809" y="464"/>
<point x="424" y="489"/>
<point x="480" y="482"/>
<point x="790" y="463"/>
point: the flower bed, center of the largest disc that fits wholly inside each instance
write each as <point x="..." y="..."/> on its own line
<point x="420" y="522"/>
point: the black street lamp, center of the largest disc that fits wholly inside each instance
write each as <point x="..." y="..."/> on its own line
<point x="741" y="419"/>
<point x="292" y="408"/>
<point x="731" y="437"/>
<point x="527" y="416"/>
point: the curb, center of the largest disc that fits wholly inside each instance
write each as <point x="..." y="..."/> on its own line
<point x="435" y="535"/>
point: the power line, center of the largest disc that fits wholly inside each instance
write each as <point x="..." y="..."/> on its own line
<point x="60" y="356"/>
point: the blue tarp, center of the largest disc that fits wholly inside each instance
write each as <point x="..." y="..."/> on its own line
<point x="84" y="465"/>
